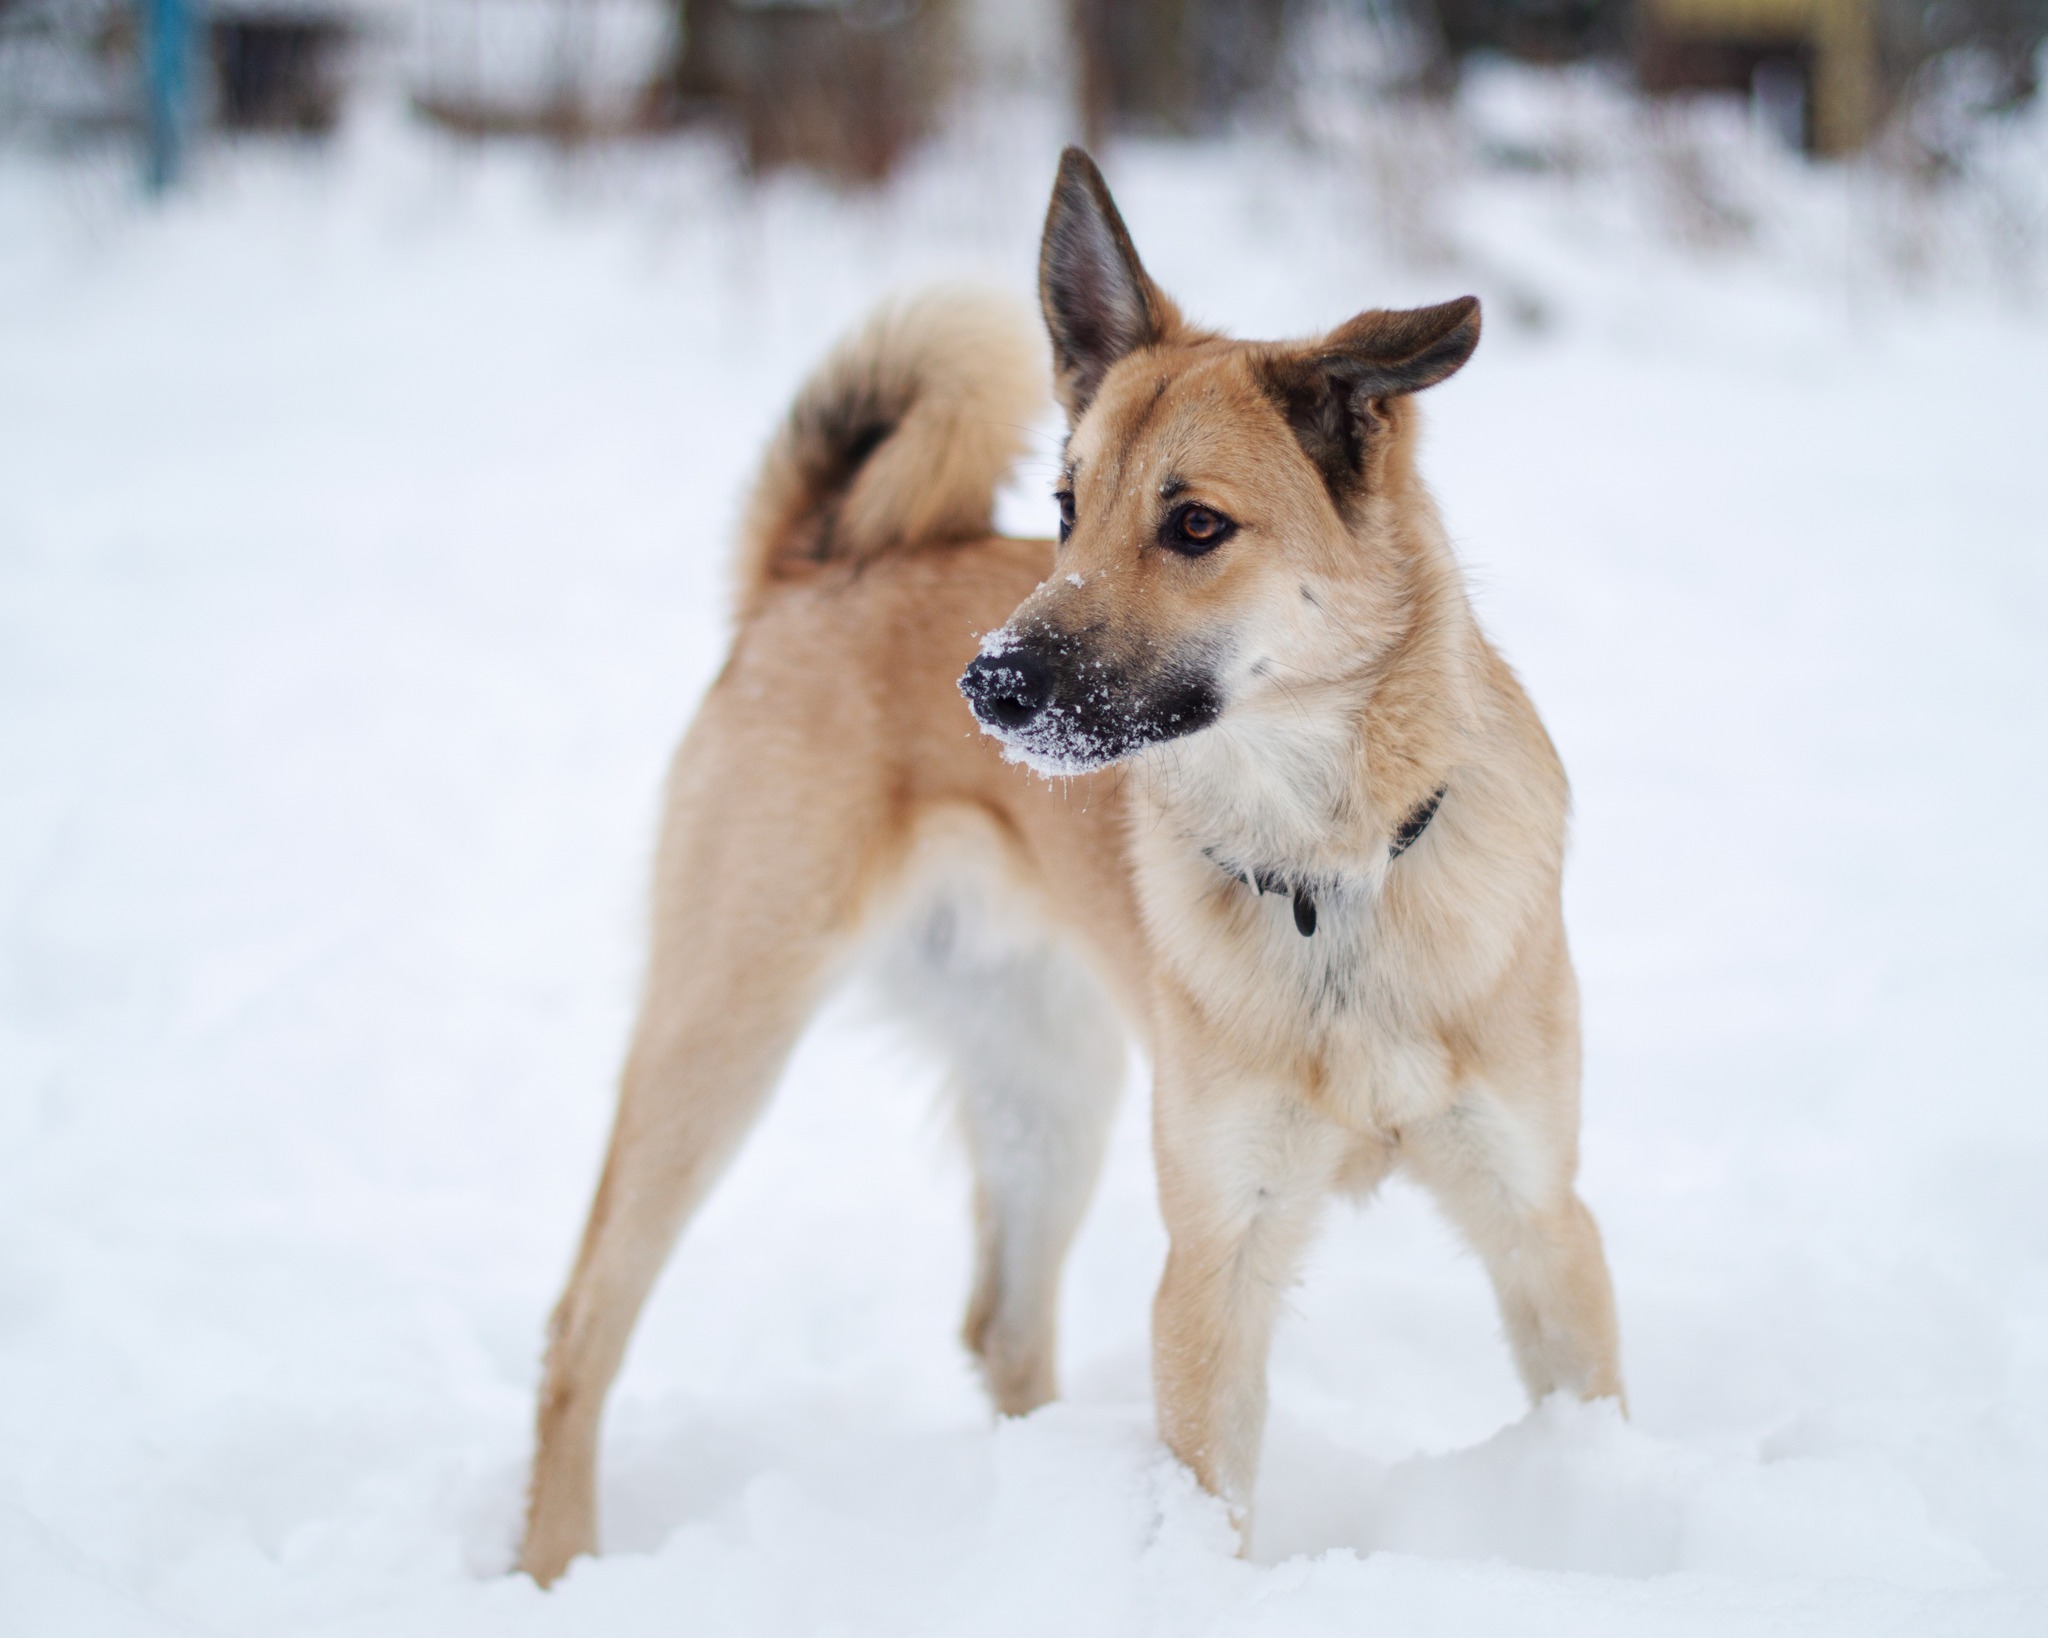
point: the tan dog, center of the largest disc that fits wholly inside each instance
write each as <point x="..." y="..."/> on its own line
<point x="1306" y="838"/>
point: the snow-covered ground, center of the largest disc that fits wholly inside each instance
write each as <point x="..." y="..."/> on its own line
<point x="362" y="519"/>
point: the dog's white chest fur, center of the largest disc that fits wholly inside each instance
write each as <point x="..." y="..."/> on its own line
<point x="1334" y="1006"/>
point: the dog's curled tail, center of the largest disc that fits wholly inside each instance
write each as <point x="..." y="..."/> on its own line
<point x="899" y="439"/>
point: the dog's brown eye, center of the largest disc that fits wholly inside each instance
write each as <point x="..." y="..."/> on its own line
<point x="1193" y="530"/>
<point x="1066" y="499"/>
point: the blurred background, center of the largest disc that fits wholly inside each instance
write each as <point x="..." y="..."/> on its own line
<point x="847" y="86"/>
<point x="379" y="380"/>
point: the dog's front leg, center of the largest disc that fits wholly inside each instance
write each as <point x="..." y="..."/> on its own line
<point x="1244" y="1166"/>
<point x="1506" y="1177"/>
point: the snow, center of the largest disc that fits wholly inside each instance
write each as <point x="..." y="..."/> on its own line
<point x="362" y="527"/>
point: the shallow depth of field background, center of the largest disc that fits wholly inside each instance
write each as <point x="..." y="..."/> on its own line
<point x="364" y="505"/>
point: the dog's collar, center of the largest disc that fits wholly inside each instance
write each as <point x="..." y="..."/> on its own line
<point x="1416" y="823"/>
<point x="1302" y="889"/>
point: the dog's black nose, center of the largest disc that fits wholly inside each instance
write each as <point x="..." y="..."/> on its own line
<point x="1007" y="690"/>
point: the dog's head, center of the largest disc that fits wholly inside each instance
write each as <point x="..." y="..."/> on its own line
<point x="1232" y="513"/>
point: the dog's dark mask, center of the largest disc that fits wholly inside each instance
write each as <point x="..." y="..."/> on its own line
<point x="1065" y="703"/>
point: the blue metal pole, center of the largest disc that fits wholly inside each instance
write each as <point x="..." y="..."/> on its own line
<point x="167" y="73"/>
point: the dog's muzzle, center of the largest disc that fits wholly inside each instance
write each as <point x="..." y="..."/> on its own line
<point x="1008" y="690"/>
<point x="1061" y="706"/>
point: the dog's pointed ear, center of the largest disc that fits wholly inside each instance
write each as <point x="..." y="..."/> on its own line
<point x="1333" y="393"/>
<point x="1099" y="302"/>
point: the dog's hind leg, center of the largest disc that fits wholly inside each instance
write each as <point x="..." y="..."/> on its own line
<point x="757" y="891"/>
<point x="1036" y="1060"/>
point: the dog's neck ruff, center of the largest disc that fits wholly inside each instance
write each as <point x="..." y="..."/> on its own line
<point x="1303" y="889"/>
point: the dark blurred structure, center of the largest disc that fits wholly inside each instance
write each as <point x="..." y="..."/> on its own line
<point x="277" y="69"/>
<point x="68" y="68"/>
<point x="1826" y="72"/>
<point x="1811" y="64"/>
<point x="842" y="88"/>
<point x="2005" y="35"/>
<point x="572" y="70"/>
<point x="1177" y="67"/>
<point x="1823" y="72"/>
<point x="77" y="69"/>
<point x="845" y="87"/>
<point x="1535" y="31"/>
<point x="1834" y="68"/>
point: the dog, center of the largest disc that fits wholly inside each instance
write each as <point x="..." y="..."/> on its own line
<point x="1249" y="782"/>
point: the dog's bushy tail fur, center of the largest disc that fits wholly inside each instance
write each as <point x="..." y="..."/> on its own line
<point x="899" y="439"/>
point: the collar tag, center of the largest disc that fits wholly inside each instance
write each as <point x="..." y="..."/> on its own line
<point x="1301" y="892"/>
